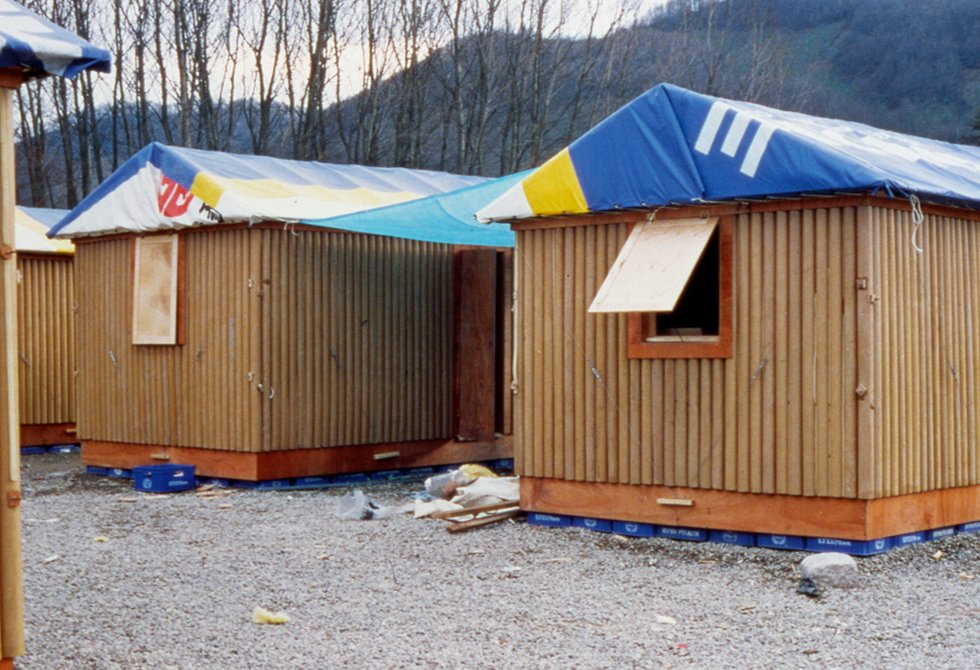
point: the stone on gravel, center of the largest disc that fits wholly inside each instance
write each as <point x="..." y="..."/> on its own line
<point x="830" y="569"/>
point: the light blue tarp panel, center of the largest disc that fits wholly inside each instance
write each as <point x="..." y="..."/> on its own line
<point x="672" y="146"/>
<point x="39" y="47"/>
<point x="447" y="218"/>
<point x="45" y="215"/>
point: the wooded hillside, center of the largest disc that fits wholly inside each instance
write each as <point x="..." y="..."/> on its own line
<point x="472" y="86"/>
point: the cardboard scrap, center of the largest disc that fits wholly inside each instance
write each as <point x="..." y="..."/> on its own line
<point x="429" y="507"/>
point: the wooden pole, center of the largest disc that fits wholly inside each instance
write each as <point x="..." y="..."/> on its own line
<point x="11" y="593"/>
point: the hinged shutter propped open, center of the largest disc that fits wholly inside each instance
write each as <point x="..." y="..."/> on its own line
<point x="654" y="266"/>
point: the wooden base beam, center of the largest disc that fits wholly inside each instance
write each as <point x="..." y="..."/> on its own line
<point x="6" y="664"/>
<point x="44" y="434"/>
<point x="840" y="518"/>
<point x="297" y="462"/>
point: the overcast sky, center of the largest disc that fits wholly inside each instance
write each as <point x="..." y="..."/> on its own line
<point x="609" y="9"/>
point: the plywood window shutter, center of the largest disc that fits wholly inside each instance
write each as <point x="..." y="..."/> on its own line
<point x="673" y="279"/>
<point x="654" y="266"/>
<point x="157" y="285"/>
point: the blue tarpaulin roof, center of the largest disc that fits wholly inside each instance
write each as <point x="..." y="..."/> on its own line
<point x="673" y="146"/>
<point x="39" y="47"/>
<point x="163" y="187"/>
<point x="447" y="218"/>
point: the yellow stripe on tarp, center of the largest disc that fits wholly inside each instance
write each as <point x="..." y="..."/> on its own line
<point x="554" y="188"/>
<point x="32" y="235"/>
<point x="210" y="189"/>
<point x="207" y="188"/>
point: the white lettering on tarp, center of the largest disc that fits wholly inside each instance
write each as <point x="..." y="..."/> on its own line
<point x="706" y="138"/>
<point x="735" y="134"/>
<point x="734" y="137"/>
<point x="852" y="140"/>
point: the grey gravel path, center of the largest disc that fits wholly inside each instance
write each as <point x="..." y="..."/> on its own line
<point x="175" y="580"/>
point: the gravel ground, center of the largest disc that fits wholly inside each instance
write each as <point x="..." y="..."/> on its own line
<point x="171" y="582"/>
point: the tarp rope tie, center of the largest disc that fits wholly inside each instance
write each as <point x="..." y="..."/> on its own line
<point x="917" y="218"/>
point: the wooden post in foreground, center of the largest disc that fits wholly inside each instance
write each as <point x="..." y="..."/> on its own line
<point x="11" y="585"/>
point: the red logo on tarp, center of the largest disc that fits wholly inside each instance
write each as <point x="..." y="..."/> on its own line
<point x="173" y="198"/>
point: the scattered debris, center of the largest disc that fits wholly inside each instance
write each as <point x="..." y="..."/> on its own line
<point x="212" y="491"/>
<point x="664" y="619"/>
<point x="127" y="500"/>
<point x="101" y="538"/>
<point x="225" y="506"/>
<point x="681" y="649"/>
<point x="458" y="511"/>
<point x="939" y="554"/>
<point x="51" y="559"/>
<point x="428" y="508"/>
<point x="478" y="498"/>
<point x="323" y="557"/>
<point x="355" y="505"/>
<point x="445" y="485"/>
<point x="966" y="576"/>
<point x="809" y="588"/>
<point x="830" y="569"/>
<point x="486" y="491"/>
<point x="261" y="615"/>
<point x="486" y="520"/>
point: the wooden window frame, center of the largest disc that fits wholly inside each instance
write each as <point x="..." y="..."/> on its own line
<point x="179" y="288"/>
<point x="638" y="346"/>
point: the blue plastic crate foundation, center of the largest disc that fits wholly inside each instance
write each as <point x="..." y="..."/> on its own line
<point x="787" y="542"/>
<point x="598" y="525"/>
<point x="549" y="520"/>
<point x="853" y="547"/>
<point x="300" y="483"/>
<point x="732" y="537"/>
<point x="907" y="539"/>
<point x="940" y="533"/>
<point x="164" y="478"/>
<point x="633" y="529"/>
<point x="688" y="534"/>
<point x="744" y="539"/>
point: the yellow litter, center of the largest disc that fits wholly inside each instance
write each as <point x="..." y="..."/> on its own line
<point x="263" y="616"/>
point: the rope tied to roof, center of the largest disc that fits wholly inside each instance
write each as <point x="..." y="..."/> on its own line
<point x="917" y="218"/>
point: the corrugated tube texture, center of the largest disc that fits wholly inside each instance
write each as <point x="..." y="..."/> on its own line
<point x="780" y="416"/>
<point x="927" y="355"/>
<point x="46" y="338"/>
<point x="356" y="340"/>
<point x="198" y="394"/>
